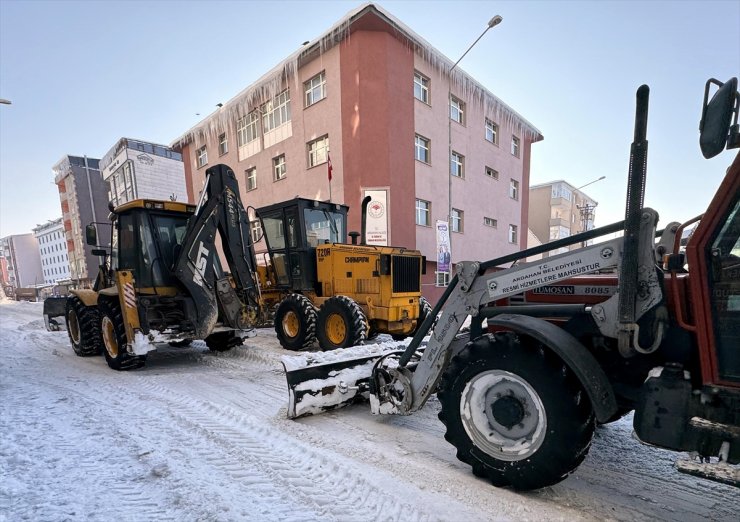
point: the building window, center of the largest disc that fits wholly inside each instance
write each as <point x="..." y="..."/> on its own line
<point x="457" y="220"/>
<point x="491" y="132"/>
<point x="422" y="149"/>
<point x="442" y="278"/>
<point x="457" y="165"/>
<point x="421" y="87"/>
<point x="246" y="129"/>
<point x="423" y="213"/>
<point x="514" y="189"/>
<point x="278" y="167"/>
<point x="223" y="144"/>
<point x="457" y="110"/>
<point x="513" y="234"/>
<point x="255" y="229"/>
<point x="315" y="89"/>
<point x="491" y="173"/>
<point x="515" y="146"/>
<point x="317" y="151"/>
<point x="276" y="112"/>
<point x="202" y="156"/>
<point x="251" y="178"/>
<point x="490" y="222"/>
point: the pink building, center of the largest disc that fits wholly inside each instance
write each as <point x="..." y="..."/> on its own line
<point x="373" y="95"/>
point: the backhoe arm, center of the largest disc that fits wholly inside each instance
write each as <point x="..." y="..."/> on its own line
<point x="220" y="212"/>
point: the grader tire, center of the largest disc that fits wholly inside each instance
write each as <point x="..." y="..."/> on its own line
<point x="223" y="341"/>
<point x="536" y="422"/>
<point x="424" y="310"/>
<point x="295" y="322"/>
<point x="83" y="327"/>
<point x="114" y="338"/>
<point x="341" y="323"/>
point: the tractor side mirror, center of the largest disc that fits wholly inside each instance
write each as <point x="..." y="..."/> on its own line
<point x="717" y="128"/>
<point x="91" y="235"/>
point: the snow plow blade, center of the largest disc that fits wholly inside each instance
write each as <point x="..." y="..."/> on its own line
<point x="323" y="381"/>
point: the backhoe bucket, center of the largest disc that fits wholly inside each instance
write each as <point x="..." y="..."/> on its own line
<point x="54" y="307"/>
<point x="323" y="381"/>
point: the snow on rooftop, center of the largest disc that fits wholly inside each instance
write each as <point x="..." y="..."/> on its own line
<point x="270" y="84"/>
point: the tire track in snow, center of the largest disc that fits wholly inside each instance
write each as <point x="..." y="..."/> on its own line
<point x="335" y="491"/>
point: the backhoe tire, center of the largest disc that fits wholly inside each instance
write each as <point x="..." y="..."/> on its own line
<point x="295" y="322"/>
<point x="424" y="310"/>
<point x="515" y="412"/>
<point x="83" y="327"/>
<point x="114" y="338"/>
<point x="223" y="341"/>
<point x="341" y="323"/>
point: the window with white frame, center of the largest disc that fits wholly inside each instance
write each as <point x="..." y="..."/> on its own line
<point x="491" y="173"/>
<point x="317" y="151"/>
<point x="457" y="110"/>
<point x="223" y="144"/>
<point x="276" y="112"/>
<point x="457" y="165"/>
<point x="491" y="131"/>
<point x="278" y="167"/>
<point x="514" y="189"/>
<point x="201" y="156"/>
<point x="421" y="87"/>
<point x="490" y="222"/>
<point x="423" y="213"/>
<point x="422" y="148"/>
<point x="251" y="178"/>
<point x="255" y="229"/>
<point x="442" y="278"/>
<point x="246" y="128"/>
<point x="513" y="234"/>
<point x="315" y="88"/>
<point x="515" y="146"/>
<point x="457" y="220"/>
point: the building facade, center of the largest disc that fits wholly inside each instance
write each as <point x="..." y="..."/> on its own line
<point x="22" y="264"/>
<point x="84" y="199"/>
<point x="52" y="243"/>
<point x="137" y="169"/>
<point x="558" y="210"/>
<point x="371" y="103"/>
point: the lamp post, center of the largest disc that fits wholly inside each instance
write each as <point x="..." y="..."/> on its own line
<point x="493" y="22"/>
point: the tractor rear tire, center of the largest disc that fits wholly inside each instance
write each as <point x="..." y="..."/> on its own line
<point x="114" y="338"/>
<point x="83" y="327"/>
<point x="515" y="412"/>
<point x="223" y="341"/>
<point x="295" y="322"/>
<point x="341" y="323"/>
<point x="424" y="310"/>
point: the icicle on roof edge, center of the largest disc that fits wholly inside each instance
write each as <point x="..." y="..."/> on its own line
<point x="273" y="82"/>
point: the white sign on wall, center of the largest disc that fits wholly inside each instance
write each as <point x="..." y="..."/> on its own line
<point x="377" y="217"/>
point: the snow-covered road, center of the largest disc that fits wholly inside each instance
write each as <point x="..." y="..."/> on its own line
<point x="203" y="436"/>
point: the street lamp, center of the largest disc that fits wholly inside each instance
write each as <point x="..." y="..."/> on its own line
<point x="493" y="22"/>
<point x="3" y="101"/>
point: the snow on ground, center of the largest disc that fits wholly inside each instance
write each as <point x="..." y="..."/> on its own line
<point x="202" y="436"/>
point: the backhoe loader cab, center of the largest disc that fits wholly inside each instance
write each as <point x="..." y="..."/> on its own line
<point x="293" y="230"/>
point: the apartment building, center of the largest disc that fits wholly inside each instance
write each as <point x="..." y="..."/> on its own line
<point x="558" y="210"/>
<point x="52" y="242"/>
<point x="84" y="199"/>
<point x="135" y="169"/>
<point x="365" y="109"/>
<point x="21" y="261"/>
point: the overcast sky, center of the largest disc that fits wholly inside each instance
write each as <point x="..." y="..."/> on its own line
<point x="81" y="75"/>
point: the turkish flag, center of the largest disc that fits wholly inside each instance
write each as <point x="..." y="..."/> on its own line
<point x="328" y="160"/>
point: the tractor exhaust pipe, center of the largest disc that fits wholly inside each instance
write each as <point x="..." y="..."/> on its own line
<point x="363" y="230"/>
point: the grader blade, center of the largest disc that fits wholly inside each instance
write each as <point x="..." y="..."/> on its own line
<point x="319" y="382"/>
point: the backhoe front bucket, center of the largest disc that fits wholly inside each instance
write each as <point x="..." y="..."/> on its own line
<point x="323" y="381"/>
